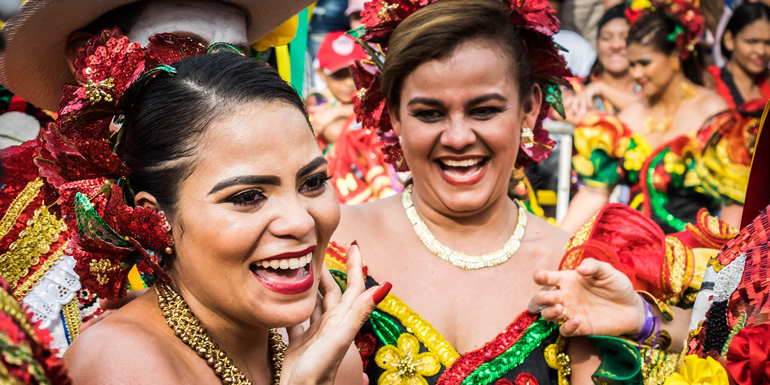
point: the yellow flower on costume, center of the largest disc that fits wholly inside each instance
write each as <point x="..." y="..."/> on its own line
<point x="697" y="371"/>
<point x="404" y="364"/>
<point x="673" y="164"/>
<point x="641" y="4"/>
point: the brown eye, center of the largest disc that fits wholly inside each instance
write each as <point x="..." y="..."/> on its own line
<point x="247" y="198"/>
<point x="315" y="183"/>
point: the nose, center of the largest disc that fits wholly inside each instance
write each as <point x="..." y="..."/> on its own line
<point x="618" y="44"/>
<point x="293" y="220"/>
<point x="458" y="134"/>
<point x="636" y="72"/>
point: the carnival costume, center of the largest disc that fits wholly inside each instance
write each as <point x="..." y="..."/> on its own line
<point x="727" y="89"/>
<point x="398" y="346"/>
<point x="663" y="181"/>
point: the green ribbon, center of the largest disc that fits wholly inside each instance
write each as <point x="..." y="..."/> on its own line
<point x="297" y="50"/>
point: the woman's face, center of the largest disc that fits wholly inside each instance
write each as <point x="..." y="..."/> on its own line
<point x="612" y="46"/>
<point x="257" y="197"/>
<point x="652" y="70"/>
<point x="751" y="47"/>
<point x="460" y="120"/>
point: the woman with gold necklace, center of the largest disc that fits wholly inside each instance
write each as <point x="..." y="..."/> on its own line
<point x="213" y="185"/>
<point x="650" y="146"/>
<point x="459" y="101"/>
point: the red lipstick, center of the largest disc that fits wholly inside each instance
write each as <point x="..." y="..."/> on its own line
<point x="294" y="254"/>
<point x="290" y="288"/>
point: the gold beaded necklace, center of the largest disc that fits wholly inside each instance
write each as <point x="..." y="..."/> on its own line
<point x="458" y="258"/>
<point x="187" y="327"/>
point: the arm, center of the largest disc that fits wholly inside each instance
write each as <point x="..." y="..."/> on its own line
<point x="586" y="203"/>
<point x="620" y="98"/>
<point x="732" y="214"/>
<point x="584" y="360"/>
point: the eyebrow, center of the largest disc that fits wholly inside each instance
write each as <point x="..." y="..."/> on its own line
<point x="246" y="180"/>
<point x="474" y="101"/>
<point x="308" y="168"/>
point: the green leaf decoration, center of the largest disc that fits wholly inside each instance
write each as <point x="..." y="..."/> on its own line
<point x="224" y="47"/>
<point x="91" y="225"/>
<point x="553" y="97"/>
<point x="386" y="329"/>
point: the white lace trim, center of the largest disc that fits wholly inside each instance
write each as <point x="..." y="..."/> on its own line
<point x="55" y="289"/>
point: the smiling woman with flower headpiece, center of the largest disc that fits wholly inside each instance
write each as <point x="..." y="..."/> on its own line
<point x="459" y="101"/>
<point x="229" y="215"/>
<point x="652" y="146"/>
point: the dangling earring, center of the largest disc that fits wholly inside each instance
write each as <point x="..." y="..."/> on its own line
<point x="527" y="137"/>
<point x="169" y="250"/>
<point x="676" y="66"/>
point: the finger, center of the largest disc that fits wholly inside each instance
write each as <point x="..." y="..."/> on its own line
<point x="295" y="331"/>
<point x="329" y="289"/>
<point x="355" y="277"/>
<point x="595" y="269"/>
<point x="318" y="310"/>
<point x="354" y="319"/>
<point x="548" y="298"/>
<point x="571" y="328"/>
<point x="546" y="277"/>
<point x="553" y="313"/>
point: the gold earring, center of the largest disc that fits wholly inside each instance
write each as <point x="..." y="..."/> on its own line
<point x="169" y="250"/>
<point x="527" y="137"/>
<point x="676" y="66"/>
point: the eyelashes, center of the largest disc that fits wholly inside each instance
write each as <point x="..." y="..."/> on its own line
<point x="255" y="197"/>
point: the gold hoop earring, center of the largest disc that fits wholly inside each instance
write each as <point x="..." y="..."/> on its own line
<point x="527" y="137"/>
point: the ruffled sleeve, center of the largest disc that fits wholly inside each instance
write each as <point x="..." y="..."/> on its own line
<point x="608" y="152"/>
<point x="724" y="165"/>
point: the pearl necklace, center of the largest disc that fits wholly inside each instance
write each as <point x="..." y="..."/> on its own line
<point x="187" y="327"/>
<point x="457" y="258"/>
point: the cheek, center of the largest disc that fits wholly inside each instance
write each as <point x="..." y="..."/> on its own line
<point x="325" y="210"/>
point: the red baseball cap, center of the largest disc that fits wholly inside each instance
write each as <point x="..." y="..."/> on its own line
<point x="338" y="51"/>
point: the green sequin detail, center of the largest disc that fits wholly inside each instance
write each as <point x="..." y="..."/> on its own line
<point x="514" y="356"/>
<point x="386" y="329"/>
<point x="553" y="97"/>
<point x="659" y="199"/>
<point x="92" y="226"/>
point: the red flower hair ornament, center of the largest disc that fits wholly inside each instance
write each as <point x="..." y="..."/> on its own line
<point x="537" y="23"/>
<point x="77" y="159"/>
<point x="690" y="24"/>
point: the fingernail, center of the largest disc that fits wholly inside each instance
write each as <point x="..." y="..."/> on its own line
<point x="354" y="243"/>
<point x="382" y="292"/>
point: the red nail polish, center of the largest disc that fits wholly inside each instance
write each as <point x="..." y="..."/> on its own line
<point x="354" y="243"/>
<point x="382" y="292"/>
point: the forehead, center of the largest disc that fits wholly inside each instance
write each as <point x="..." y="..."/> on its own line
<point x="617" y="25"/>
<point x="206" y="21"/>
<point x="257" y="138"/>
<point x="636" y="50"/>
<point x="759" y="28"/>
<point x="474" y="67"/>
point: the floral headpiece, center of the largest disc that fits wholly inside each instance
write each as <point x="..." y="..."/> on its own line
<point x="77" y="159"/>
<point x="537" y="22"/>
<point x="690" y="24"/>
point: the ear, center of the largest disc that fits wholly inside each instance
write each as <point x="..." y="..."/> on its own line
<point x="321" y="74"/>
<point x="76" y="40"/>
<point x="729" y="40"/>
<point x="394" y="120"/>
<point x="144" y="199"/>
<point x="530" y="107"/>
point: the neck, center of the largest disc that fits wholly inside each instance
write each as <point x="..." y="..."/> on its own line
<point x="743" y="79"/>
<point x="621" y="80"/>
<point x="478" y="232"/>
<point x="245" y="345"/>
<point x="671" y="97"/>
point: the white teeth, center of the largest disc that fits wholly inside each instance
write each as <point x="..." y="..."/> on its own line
<point x="462" y="163"/>
<point x="458" y="176"/>
<point x="288" y="263"/>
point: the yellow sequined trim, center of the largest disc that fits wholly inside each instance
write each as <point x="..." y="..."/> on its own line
<point x="582" y="235"/>
<point x="12" y="308"/>
<point x="19" y="205"/>
<point x="423" y="330"/>
<point x="679" y="261"/>
<point x="557" y="358"/>
<point x="659" y="367"/>
<point x="34" y="241"/>
<point x="72" y="318"/>
<point x="25" y="287"/>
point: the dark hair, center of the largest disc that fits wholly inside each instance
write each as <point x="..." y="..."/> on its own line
<point x="162" y="128"/>
<point x="123" y="17"/>
<point x="742" y="16"/>
<point x="435" y="31"/>
<point x="652" y="30"/>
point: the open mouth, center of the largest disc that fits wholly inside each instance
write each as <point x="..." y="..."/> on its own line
<point x="463" y="172"/>
<point x="285" y="275"/>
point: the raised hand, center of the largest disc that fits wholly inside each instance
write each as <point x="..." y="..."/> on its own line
<point x="594" y="299"/>
<point x="314" y="355"/>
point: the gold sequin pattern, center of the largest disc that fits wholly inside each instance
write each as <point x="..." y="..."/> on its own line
<point x="421" y="329"/>
<point x="557" y="358"/>
<point x="33" y="279"/>
<point x="72" y="318"/>
<point x="12" y="307"/>
<point x="102" y="269"/>
<point x="659" y="367"/>
<point x="18" y="205"/>
<point x="42" y="230"/>
<point x="679" y="260"/>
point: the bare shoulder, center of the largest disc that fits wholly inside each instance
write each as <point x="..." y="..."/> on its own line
<point x="549" y="238"/>
<point x="359" y="221"/>
<point x="633" y="113"/>
<point x="120" y="349"/>
<point x="709" y="103"/>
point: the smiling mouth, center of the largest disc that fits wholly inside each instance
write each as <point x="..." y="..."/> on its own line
<point x="286" y="275"/>
<point x="462" y="172"/>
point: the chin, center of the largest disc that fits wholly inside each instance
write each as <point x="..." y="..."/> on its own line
<point x="281" y="314"/>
